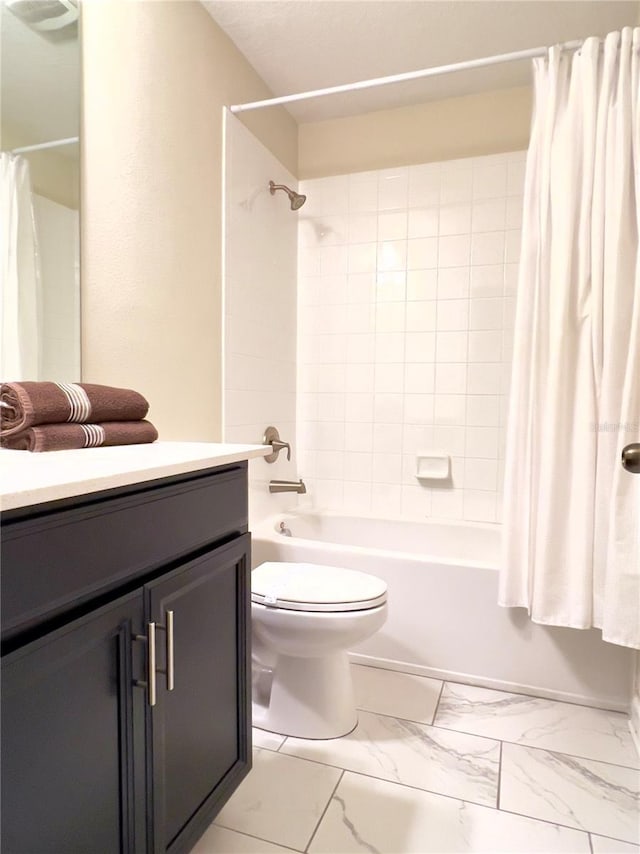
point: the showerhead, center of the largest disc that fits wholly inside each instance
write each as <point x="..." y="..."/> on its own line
<point x="296" y="199"/>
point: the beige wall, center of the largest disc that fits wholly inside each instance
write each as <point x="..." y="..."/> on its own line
<point x="156" y="76"/>
<point x="472" y="125"/>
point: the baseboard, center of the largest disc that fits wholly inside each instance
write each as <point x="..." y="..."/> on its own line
<point x="499" y="684"/>
<point x="634" y="721"/>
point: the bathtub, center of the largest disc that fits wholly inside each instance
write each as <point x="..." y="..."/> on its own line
<point x="444" y="621"/>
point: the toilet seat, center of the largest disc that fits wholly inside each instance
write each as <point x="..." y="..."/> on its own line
<point x="313" y="587"/>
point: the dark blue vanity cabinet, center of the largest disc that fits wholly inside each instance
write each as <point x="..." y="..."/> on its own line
<point x="126" y="665"/>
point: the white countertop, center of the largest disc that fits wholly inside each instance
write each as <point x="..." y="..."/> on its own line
<point x="28" y="478"/>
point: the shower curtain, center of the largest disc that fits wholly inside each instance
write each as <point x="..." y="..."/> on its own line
<point x="20" y="294"/>
<point x="572" y="513"/>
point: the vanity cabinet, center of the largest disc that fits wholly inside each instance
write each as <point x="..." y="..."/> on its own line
<point x="125" y="674"/>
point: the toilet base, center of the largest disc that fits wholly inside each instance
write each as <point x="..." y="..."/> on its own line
<point x="309" y="698"/>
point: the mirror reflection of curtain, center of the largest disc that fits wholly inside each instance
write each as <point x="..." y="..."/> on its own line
<point x="20" y="286"/>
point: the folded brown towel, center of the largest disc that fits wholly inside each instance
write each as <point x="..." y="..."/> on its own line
<point x="68" y="437"/>
<point x="32" y="403"/>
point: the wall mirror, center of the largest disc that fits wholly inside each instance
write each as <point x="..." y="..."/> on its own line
<point x="40" y="190"/>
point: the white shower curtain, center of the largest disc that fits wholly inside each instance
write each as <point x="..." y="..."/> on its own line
<point x="572" y="513"/>
<point x="20" y="295"/>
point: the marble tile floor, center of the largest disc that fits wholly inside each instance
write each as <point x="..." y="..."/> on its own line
<point x="438" y="767"/>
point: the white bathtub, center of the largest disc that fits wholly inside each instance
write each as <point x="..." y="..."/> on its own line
<point x="444" y="620"/>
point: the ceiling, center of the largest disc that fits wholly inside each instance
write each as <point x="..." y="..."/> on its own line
<point x="298" y="45"/>
<point x="40" y="91"/>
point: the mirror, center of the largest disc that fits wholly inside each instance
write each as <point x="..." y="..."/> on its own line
<point x="40" y="190"/>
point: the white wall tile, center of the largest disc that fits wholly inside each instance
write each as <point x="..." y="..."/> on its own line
<point x="363" y="193"/>
<point x="363" y="228"/>
<point x="485" y="346"/>
<point x="487" y="247"/>
<point x="481" y="442"/>
<point x="420" y="346"/>
<point x="391" y="287"/>
<point x="362" y="257"/>
<point x="424" y="185"/>
<point x="387" y="407"/>
<point x="489" y="180"/>
<point x="405" y="332"/>
<point x="486" y="314"/>
<point x="393" y="226"/>
<point x="453" y="251"/>
<point x="449" y="409"/>
<point x="358" y="436"/>
<point x="455" y="219"/>
<point x="422" y="253"/>
<point x="419" y="378"/>
<point x="423" y="222"/>
<point x="392" y="255"/>
<point x="452" y="347"/>
<point x="393" y="187"/>
<point x="483" y="410"/>
<point x="421" y="316"/>
<point x="453" y="282"/>
<point x="418" y="408"/>
<point x="387" y="438"/>
<point x="386" y="467"/>
<point x="453" y="315"/>
<point x="389" y="378"/>
<point x="390" y="317"/>
<point x="487" y="280"/>
<point x="489" y="215"/>
<point x="484" y="378"/>
<point x="451" y="378"/>
<point x="422" y="285"/>
<point x="389" y="347"/>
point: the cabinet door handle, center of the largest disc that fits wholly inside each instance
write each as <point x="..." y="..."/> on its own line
<point x="151" y="663"/>
<point x="150" y="684"/>
<point x="170" y="653"/>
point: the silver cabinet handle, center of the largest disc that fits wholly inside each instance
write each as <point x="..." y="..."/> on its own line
<point x="152" y="669"/>
<point x="170" y="653"/>
<point x="150" y="684"/>
<point x="151" y="663"/>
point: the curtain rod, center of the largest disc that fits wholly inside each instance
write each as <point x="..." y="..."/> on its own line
<point x="531" y="53"/>
<point x="41" y="146"/>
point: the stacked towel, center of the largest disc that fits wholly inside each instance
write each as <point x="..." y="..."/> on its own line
<point x="46" y="416"/>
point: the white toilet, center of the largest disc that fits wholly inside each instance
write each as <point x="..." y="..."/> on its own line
<point x="304" y="618"/>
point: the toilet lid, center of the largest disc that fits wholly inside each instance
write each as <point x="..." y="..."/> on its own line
<point x="311" y="587"/>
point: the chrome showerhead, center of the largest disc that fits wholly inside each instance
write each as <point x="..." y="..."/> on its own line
<point x="296" y="199"/>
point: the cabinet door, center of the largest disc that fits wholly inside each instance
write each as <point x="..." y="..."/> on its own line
<point x="200" y="730"/>
<point x="68" y="769"/>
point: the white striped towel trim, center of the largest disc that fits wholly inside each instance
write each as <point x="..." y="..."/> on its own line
<point x="93" y="435"/>
<point x="78" y="401"/>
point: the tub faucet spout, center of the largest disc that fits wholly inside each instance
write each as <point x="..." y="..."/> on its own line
<point x="287" y="486"/>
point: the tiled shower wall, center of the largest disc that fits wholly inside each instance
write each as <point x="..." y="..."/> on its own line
<point x="260" y="309"/>
<point x="405" y="315"/>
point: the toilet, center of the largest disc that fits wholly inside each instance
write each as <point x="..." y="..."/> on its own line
<point x="304" y="618"/>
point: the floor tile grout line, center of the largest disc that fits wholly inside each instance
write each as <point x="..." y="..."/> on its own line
<point x="496" y="690"/>
<point x="452" y="797"/>
<point x="518" y="694"/>
<point x="431" y="726"/>
<point x="324" y="811"/>
<point x="496" y="739"/>
<point x="442" y="795"/>
<point x="435" y="711"/>
<point x="532" y="747"/>
<point x="499" y="778"/>
<point x="387" y="780"/>
<point x="567" y="826"/>
<point x="215" y="823"/>
<point x="590" y="842"/>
